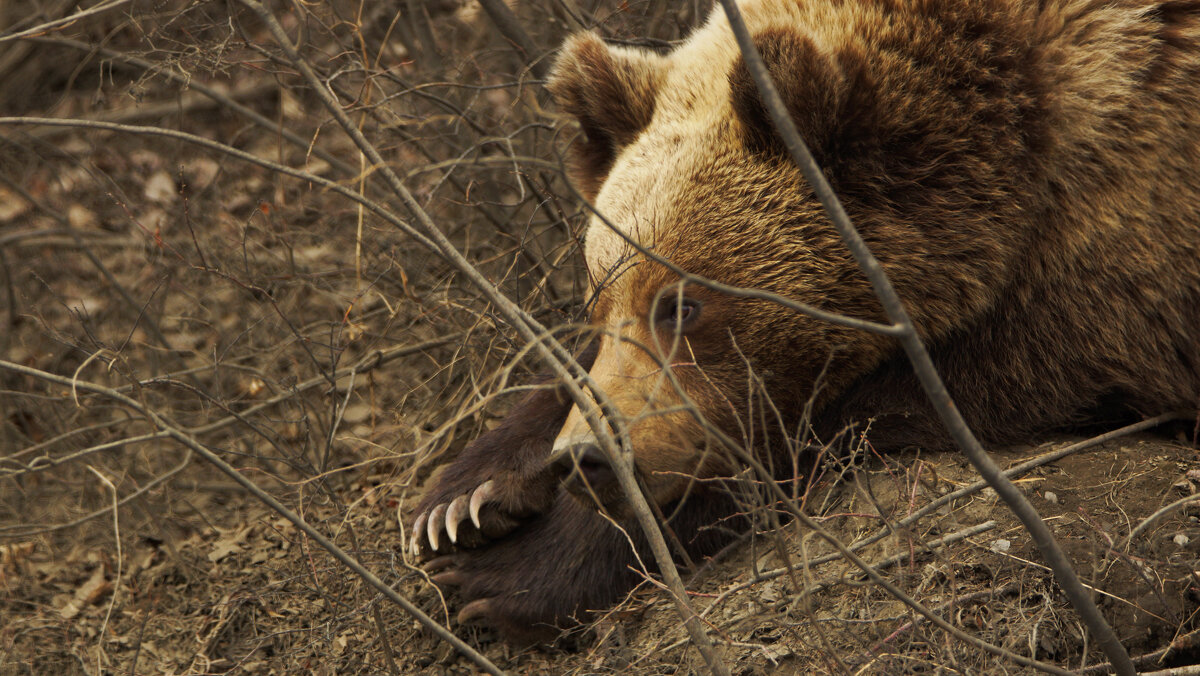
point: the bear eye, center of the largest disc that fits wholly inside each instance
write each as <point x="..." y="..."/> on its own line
<point x="677" y="313"/>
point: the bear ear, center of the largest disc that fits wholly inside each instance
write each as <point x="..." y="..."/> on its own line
<point x="612" y="92"/>
<point x="811" y="85"/>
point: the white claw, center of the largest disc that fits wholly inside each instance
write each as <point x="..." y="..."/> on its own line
<point x="485" y="492"/>
<point x="455" y="516"/>
<point x="414" y="543"/>
<point x="435" y="525"/>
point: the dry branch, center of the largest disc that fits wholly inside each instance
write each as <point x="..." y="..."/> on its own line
<point x="508" y="25"/>
<point x="64" y="21"/>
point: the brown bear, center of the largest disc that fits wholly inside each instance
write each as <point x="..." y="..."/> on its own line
<point x="1026" y="171"/>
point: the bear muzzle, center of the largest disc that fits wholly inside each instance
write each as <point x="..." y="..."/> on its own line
<point x="662" y="441"/>
<point x="581" y="464"/>
<point x="584" y="466"/>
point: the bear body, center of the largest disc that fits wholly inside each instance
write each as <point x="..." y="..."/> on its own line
<point x="1027" y="173"/>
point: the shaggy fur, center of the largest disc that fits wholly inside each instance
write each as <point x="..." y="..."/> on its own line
<point x="1025" y="171"/>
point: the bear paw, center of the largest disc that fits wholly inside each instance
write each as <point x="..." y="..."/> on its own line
<point x="546" y="575"/>
<point x="501" y="478"/>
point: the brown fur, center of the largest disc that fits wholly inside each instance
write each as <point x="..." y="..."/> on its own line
<point x="1026" y="173"/>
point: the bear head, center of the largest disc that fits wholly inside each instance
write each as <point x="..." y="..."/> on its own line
<point x="689" y="184"/>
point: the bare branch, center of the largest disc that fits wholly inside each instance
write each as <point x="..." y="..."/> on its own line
<point x="64" y="21"/>
<point x="511" y="29"/>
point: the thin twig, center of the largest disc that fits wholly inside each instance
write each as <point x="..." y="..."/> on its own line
<point x="508" y="25"/>
<point x="137" y="310"/>
<point x="1019" y="470"/>
<point x="825" y="584"/>
<point x="419" y="21"/>
<point x="1192" y="670"/>
<point x="66" y="20"/>
<point x="10" y="532"/>
<point x="184" y="103"/>
<point x="1188" y="641"/>
<point x="366" y="364"/>
<point x="907" y="600"/>
<point x="686" y="277"/>
<point x="353" y="195"/>
<point x="790" y="505"/>
<point x="116" y="588"/>
<point x="956" y="602"/>
<point x="226" y="100"/>
<point x="1153" y="518"/>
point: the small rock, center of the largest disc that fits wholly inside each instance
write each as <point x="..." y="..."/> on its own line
<point x="1051" y="497"/>
<point x="12" y="205"/>
<point x="200" y="172"/>
<point x="161" y="188"/>
<point x="1001" y="546"/>
<point x="1181" y="540"/>
<point x="81" y="218"/>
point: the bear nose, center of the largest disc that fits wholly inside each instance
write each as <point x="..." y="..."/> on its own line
<point x="592" y="464"/>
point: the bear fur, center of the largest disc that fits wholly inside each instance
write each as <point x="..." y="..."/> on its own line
<point x="1027" y="172"/>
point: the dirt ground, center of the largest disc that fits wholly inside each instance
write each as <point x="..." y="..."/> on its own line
<point x="209" y="581"/>
<point x="170" y="261"/>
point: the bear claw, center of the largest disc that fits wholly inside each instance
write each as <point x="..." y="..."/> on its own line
<point x="441" y="563"/>
<point x="434" y="525"/>
<point x="450" y="578"/>
<point x="475" y="611"/>
<point x="451" y="516"/>
<point x="414" y="543"/>
<point x="455" y="514"/>
<point x="486" y="492"/>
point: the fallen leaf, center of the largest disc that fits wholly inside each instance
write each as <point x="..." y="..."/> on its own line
<point x="230" y="543"/>
<point x="88" y="593"/>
